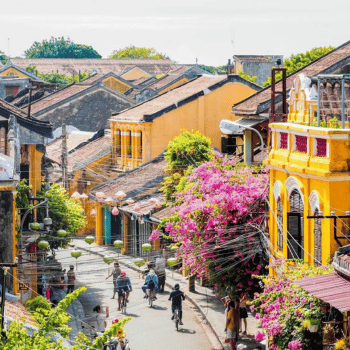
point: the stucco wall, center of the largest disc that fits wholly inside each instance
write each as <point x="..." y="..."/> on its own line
<point x="87" y="113"/>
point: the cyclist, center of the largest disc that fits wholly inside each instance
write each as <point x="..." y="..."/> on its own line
<point x="160" y="271"/>
<point x="123" y="284"/>
<point x="151" y="283"/>
<point x="176" y="297"/>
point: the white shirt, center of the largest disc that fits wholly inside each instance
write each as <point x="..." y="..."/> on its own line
<point x="101" y="318"/>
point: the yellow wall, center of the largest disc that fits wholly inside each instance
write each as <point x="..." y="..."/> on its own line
<point x="116" y="84"/>
<point x="35" y="158"/>
<point x="135" y="73"/>
<point x="172" y="86"/>
<point x="325" y="178"/>
<point x="203" y="114"/>
<point x="12" y="71"/>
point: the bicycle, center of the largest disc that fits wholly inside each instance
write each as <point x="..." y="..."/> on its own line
<point x="123" y="303"/>
<point x="176" y="319"/>
<point x="151" y="296"/>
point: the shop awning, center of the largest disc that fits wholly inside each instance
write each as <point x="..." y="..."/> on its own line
<point x="250" y="122"/>
<point x="331" y="288"/>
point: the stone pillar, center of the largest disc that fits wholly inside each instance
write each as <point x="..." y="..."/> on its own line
<point x="125" y="232"/>
<point x="248" y="147"/>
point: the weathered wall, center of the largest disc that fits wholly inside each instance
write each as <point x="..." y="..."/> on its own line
<point x="87" y="113"/>
<point x="20" y="83"/>
<point x="6" y="231"/>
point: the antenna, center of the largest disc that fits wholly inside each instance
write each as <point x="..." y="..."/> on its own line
<point x="8" y="47"/>
<point x="233" y="41"/>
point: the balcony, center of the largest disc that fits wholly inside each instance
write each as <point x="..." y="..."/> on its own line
<point x="308" y="149"/>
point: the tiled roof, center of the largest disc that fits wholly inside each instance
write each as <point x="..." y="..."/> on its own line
<point x="179" y="70"/>
<point x="54" y="149"/>
<point x="89" y="152"/>
<point x="17" y="311"/>
<point x="174" y="97"/>
<point x="144" y="204"/>
<point x="102" y="66"/>
<point x="57" y="96"/>
<point x="162" y="82"/>
<point x="261" y="100"/>
<point x="253" y="58"/>
<point x="162" y="214"/>
<point x="92" y="78"/>
<point x="141" y="80"/>
<point x="136" y="181"/>
<point x="13" y="109"/>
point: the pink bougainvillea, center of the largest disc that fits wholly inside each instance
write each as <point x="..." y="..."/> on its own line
<point x="221" y="208"/>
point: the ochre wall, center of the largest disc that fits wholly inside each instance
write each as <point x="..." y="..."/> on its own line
<point x="135" y="73"/>
<point x="35" y="158"/>
<point x="178" y="83"/>
<point x="116" y="84"/>
<point x="17" y="73"/>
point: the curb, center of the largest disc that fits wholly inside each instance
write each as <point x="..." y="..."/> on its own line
<point x="217" y="340"/>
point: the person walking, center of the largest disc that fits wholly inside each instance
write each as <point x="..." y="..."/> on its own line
<point x="243" y="314"/>
<point x="232" y="323"/>
<point x="71" y="279"/>
<point x="101" y="318"/>
<point x="115" y="273"/>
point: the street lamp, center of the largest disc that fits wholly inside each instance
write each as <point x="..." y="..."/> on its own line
<point x="229" y="127"/>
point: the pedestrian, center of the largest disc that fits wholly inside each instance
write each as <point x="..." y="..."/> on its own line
<point x="123" y="285"/>
<point x="232" y="324"/>
<point x="160" y="272"/>
<point x="101" y="318"/>
<point x="243" y="314"/>
<point x="71" y="279"/>
<point x="115" y="273"/>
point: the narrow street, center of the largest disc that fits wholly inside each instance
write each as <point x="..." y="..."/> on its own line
<point x="150" y="328"/>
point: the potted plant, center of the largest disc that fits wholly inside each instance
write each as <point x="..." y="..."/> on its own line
<point x="343" y="344"/>
<point x="328" y="334"/>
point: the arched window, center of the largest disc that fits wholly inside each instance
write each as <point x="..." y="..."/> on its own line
<point x="118" y="142"/>
<point x="295" y="226"/>
<point x="318" y="239"/>
<point x="129" y="144"/>
<point x="279" y="224"/>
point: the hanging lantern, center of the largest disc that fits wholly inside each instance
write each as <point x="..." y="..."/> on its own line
<point x="130" y="201"/>
<point x="89" y="239"/>
<point x="108" y="260"/>
<point x="35" y="226"/>
<point x="139" y="262"/>
<point x="118" y="244"/>
<point x="99" y="196"/>
<point x="93" y="213"/>
<point x="137" y="207"/>
<point x="146" y="247"/>
<point x="76" y="254"/>
<point x="61" y="233"/>
<point x="171" y="263"/>
<point x="76" y="194"/>
<point x="174" y="248"/>
<point x="120" y="195"/>
<point x="115" y="211"/>
<point x="109" y="200"/>
<point x="43" y="245"/>
<point x="84" y="196"/>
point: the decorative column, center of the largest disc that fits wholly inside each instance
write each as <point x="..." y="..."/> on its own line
<point x="248" y="148"/>
<point x="99" y="225"/>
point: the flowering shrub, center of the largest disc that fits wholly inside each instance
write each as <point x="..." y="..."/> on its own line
<point x="217" y="217"/>
<point x="285" y="311"/>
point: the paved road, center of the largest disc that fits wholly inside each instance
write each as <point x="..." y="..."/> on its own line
<point x="150" y="328"/>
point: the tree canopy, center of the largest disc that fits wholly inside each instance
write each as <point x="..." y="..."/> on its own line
<point x="211" y="69"/>
<point x="60" y="48"/>
<point x="298" y="61"/>
<point x="247" y="76"/>
<point x="3" y="57"/>
<point x="133" y="52"/>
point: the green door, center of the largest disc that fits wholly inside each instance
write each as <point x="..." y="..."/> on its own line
<point x="107" y="225"/>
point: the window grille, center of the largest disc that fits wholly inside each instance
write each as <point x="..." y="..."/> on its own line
<point x="301" y="143"/>
<point x="283" y="140"/>
<point x="321" y="147"/>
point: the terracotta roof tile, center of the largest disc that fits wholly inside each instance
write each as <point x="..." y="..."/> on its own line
<point x="144" y="204"/>
<point x="251" y="104"/>
<point x="54" y="149"/>
<point x="12" y="108"/>
<point x="163" y="213"/>
<point x="102" y="66"/>
<point x="136" y="181"/>
<point x="90" y="149"/>
<point x="162" y="82"/>
<point x="57" y="96"/>
<point x="253" y="58"/>
<point x="16" y="310"/>
<point x="169" y="98"/>
<point x="141" y="80"/>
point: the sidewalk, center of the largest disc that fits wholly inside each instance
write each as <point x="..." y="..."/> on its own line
<point x="203" y="298"/>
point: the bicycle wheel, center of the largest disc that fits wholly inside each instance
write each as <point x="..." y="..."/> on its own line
<point x="124" y="304"/>
<point x="150" y="298"/>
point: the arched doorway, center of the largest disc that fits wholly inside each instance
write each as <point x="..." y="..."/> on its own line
<point x="295" y="226"/>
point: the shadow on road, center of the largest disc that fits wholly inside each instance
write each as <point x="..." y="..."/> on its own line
<point x="187" y="331"/>
<point x="132" y="315"/>
<point x="156" y="307"/>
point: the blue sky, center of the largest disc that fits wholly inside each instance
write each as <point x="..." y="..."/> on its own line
<point x="211" y="31"/>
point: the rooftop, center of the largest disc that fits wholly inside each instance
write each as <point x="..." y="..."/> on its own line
<point x="261" y="101"/>
<point x="253" y="58"/>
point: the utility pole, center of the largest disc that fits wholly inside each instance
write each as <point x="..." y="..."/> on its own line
<point x="64" y="155"/>
<point x="5" y="267"/>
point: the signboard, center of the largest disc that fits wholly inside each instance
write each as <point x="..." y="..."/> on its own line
<point x="23" y="286"/>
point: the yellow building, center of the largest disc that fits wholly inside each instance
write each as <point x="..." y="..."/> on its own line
<point x="141" y="133"/>
<point x="309" y="176"/>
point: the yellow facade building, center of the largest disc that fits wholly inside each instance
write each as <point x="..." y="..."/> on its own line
<point x="141" y="133"/>
<point x="309" y="177"/>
